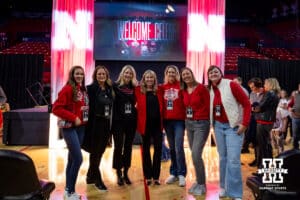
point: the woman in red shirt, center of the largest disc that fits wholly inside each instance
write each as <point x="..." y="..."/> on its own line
<point x="174" y="116"/>
<point x="149" y="103"/>
<point x="230" y="114"/>
<point x="196" y="102"/>
<point x="71" y="107"/>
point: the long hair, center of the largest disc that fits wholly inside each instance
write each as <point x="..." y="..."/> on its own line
<point x="143" y="82"/>
<point x="274" y="84"/>
<point x="212" y="67"/>
<point x="108" y="81"/>
<point x="71" y="81"/>
<point x="120" y="79"/>
<point x="176" y="71"/>
<point x="183" y="85"/>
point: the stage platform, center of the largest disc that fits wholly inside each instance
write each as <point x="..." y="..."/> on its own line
<point x="26" y="126"/>
<point x="31" y="127"/>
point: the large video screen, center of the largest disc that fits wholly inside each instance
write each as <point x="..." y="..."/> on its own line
<point x="140" y="32"/>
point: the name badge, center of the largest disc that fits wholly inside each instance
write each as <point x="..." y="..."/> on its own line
<point x="169" y="104"/>
<point x="128" y="108"/>
<point x="106" y="110"/>
<point x="189" y="113"/>
<point x="85" y="113"/>
<point x="218" y="110"/>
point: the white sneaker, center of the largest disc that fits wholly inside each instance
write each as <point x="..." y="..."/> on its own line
<point x="199" y="190"/>
<point x="171" y="179"/>
<point x="71" y="196"/>
<point x="222" y="192"/>
<point x="191" y="190"/>
<point x="181" y="180"/>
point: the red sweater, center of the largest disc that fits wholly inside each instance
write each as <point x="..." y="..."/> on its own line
<point x="173" y="92"/>
<point x="65" y="107"/>
<point x="141" y="108"/>
<point x="199" y="101"/>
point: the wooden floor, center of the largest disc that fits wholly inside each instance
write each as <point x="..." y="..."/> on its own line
<point x="50" y="164"/>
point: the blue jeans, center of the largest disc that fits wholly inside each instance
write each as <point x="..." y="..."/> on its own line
<point x="175" y="134"/>
<point x="197" y="132"/>
<point x="296" y="132"/>
<point x="229" y="145"/>
<point x="73" y="138"/>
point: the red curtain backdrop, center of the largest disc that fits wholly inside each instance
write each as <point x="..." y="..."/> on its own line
<point x="71" y="40"/>
<point x="205" y="36"/>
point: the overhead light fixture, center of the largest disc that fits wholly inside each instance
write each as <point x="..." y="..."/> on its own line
<point x="170" y="8"/>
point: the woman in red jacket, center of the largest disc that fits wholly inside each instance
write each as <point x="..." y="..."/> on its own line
<point x="196" y="102"/>
<point x="71" y="107"/>
<point x="149" y="124"/>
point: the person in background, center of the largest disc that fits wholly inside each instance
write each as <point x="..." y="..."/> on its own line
<point x="72" y="107"/>
<point x="230" y="115"/>
<point x="257" y="92"/>
<point x="174" y="115"/>
<point x="124" y="122"/>
<point x="284" y="113"/>
<point x="265" y="118"/>
<point x="294" y="108"/>
<point x="149" y="104"/>
<point x="3" y="97"/>
<point x="3" y="100"/>
<point x="196" y="103"/>
<point x="98" y="128"/>
<point x="239" y="81"/>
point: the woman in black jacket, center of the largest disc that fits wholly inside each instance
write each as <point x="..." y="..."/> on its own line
<point x="265" y="118"/>
<point x="97" y="133"/>
<point x="124" y="122"/>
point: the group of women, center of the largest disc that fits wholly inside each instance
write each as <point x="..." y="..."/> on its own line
<point x="180" y="104"/>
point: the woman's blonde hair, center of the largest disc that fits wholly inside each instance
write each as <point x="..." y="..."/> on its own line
<point x="120" y="79"/>
<point x="143" y="81"/>
<point x="176" y="71"/>
<point x="274" y="84"/>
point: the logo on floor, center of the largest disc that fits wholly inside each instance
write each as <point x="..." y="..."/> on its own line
<point x="272" y="173"/>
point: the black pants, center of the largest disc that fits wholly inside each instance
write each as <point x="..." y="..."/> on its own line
<point x="123" y="134"/>
<point x="151" y="168"/>
<point x="250" y="134"/>
<point x="264" y="147"/>
<point x="101" y="134"/>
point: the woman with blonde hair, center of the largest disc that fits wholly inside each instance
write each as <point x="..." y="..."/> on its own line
<point x="265" y="118"/>
<point x="124" y="122"/>
<point x="149" y="104"/>
<point x="174" y="115"/>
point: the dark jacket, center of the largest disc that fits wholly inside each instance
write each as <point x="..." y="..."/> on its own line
<point x="268" y="106"/>
<point x="90" y="131"/>
<point x="124" y="95"/>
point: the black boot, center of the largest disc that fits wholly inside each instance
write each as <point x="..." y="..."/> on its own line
<point x="120" y="178"/>
<point x="125" y="176"/>
<point x="100" y="185"/>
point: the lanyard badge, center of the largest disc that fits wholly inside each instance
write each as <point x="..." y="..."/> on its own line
<point x="106" y="110"/>
<point x="218" y="110"/>
<point x="169" y="104"/>
<point x="189" y="113"/>
<point x="127" y="108"/>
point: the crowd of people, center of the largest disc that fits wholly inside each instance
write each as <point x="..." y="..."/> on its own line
<point x="89" y="115"/>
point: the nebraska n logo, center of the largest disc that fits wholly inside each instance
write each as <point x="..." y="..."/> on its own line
<point x="272" y="170"/>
